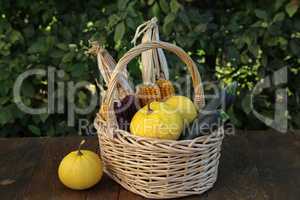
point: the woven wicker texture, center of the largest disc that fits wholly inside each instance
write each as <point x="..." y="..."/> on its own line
<point x="153" y="168"/>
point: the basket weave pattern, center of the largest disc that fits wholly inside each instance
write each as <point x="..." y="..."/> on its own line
<point x="158" y="168"/>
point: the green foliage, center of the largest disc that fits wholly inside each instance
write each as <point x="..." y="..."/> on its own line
<point x="230" y="40"/>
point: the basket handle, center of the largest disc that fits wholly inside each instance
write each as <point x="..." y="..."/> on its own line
<point x="199" y="99"/>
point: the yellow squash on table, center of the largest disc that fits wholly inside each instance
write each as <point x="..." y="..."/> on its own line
<point x="80" y="169"/>
<point x="157" y="120"/>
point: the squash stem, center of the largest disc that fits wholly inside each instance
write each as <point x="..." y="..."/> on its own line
<point x="149" y="108"/>
<point x="79" y="147"/>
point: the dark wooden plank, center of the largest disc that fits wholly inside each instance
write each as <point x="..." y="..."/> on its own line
<point x="278" y="163"/>
<point x="253" y="165"/>
<point x="238" y="175"/>
<point x="45" y="182"/>
<point x="107" y="189"/>
<point x="126" y="195"/>
<point x="19" y="158"/>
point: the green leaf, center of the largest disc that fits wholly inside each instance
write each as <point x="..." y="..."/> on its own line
<point x="291" y="8"/>
<point x="62" y="46"/>
<point x="4" y="88"/>
<point x="15" y="36"/>
<point x="254" y="49"/>
<point x="233" y="53"/>
<point x="261" y="14"/>
<point x="56" y="53"/>
<point x="164" y="6"/>
<point x="297" y="25"/>
<point x="205" y="18"/>
<point x="168" y="23"/>
<point x="233" y="117"/>
<point x="28" y="89"/>
<point x="200" y="28"/>
<point x="16" y="112"/>
<point x="113" y="20"/>
<point x="4" y="100"/>
<point x="150" y="2"/>
<point x="50" y="40"/>
<point x="35" y="130"/>
<point x="44" y="117"/>
<point x="246" y="104"/>
<point x="279" y="17"/>
<point x="122" y="4"/>
<point x="131" y="24"/>
<point x="175" y="6"/>
<point x="295" y="48"/>
<point x="79" y="70"/>
<point x="155" y="10"/>
<point x="257" y="24"/>
<point x="282" y="41"/>
<point x="244" y="58"/>
<point x="82" y="99"/>
<point x="37" y="47"/>
<point x="36" y="119"/>
<point x="184" y="18"/>
<point x="68" y="57"/>
<point x="119" y="32"/>
<point x="278" y="4"/>
<point x="51" y="131"/>
<point x="5" y="115"/>
<point x="132" y="12"/>
<point x="247" y="39"/>
<point x="66" y="33"/>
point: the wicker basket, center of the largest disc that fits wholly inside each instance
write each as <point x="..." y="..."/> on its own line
<point x="158" y="168"/>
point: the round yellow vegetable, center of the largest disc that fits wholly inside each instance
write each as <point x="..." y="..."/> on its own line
<point x="157" y="120"/>
<point x="80" y="169"/>
<point x="184" y="106"/>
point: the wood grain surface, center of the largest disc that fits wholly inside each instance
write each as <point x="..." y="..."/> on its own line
<point x="260" y="165"/>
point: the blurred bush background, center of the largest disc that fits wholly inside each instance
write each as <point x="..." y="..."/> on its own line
<point x="231" y="40"/>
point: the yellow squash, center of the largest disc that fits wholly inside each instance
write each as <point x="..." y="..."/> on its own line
<point x="184" y="106"/>
<point x="80" y="169"/>
<point x="157" y="120"/>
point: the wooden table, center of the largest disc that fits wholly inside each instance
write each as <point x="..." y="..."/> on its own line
<point x="254" y="165"/>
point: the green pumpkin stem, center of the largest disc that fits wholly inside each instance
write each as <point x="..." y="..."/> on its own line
<point x="79" y="147"/>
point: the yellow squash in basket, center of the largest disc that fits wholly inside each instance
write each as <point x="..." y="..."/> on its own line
<point x="157" y="120"/>
<point x="184" y="106"/>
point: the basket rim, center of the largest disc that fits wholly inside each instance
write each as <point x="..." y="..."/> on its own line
<point x="100" y="122"/>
